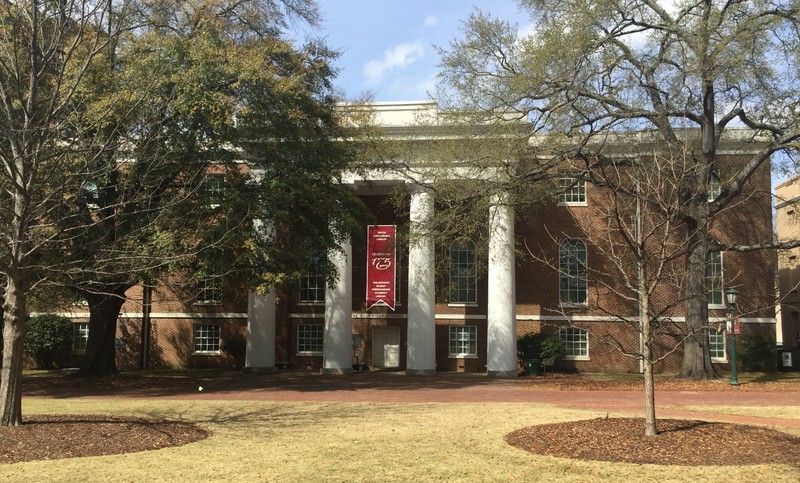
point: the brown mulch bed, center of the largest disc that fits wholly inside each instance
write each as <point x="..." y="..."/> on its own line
<point x="576" y="382"/>
<point x="68" y="436"/>
<point x="679" y="442"/>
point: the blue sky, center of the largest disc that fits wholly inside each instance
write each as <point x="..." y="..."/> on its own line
<point x="387" y="46"/>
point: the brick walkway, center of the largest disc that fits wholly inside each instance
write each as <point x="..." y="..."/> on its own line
<point x="388" y="387"/>
<point x="475" y="388"/>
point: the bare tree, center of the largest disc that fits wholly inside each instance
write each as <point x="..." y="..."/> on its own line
<point x="587" y="69"/>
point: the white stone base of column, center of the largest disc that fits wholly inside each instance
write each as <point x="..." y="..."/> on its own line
<point x="338" y="371"/>
<point x="420" y="372"/>
<point x="502" y="374"/>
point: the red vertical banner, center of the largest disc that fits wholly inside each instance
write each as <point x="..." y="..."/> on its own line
<point x="380" y="265"/>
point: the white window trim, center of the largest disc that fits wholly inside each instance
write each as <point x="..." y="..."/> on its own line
<point x="575" y="305"/>
<point x="462" y="355"/>
<point x="724" y="359"/>
<point x="73" y="349"/>
<point x="577" y="358"/>
<point x="298" y="352"/>
<point x="474" y="276"/>
<point x="206" y="353"/>
<point x="721" y="306"/>
<point x="572" y="203"/>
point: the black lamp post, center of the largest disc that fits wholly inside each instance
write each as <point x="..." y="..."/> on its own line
<point x="733" y="296"/>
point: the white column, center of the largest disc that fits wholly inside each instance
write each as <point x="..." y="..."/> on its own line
<point x="337" y="345"/>
<point x="421" y="358"/>
<point x="260" y="352"/>
<point x="501" y="344"/>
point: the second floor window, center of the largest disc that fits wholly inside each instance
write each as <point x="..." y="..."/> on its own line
<point x="716" y="296"/>
<point x="312" y="284"/>
<point x="209" y="291"/>
<point x="572" y="276"/>
<point x="463" y="276"/>
<point x="214" y="190"/>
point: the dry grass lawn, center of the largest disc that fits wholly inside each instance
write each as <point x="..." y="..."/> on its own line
<point x="265" y="441"/>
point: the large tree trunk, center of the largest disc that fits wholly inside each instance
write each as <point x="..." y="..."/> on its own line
<point x="15" y="316"/>
<point x="104" y="309"/>
<point x="696" y="357"/>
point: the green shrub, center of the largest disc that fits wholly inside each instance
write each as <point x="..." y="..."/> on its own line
<point x="47" y="338"/>
<point x="540" y="346"/>
<point x="758" y="353"/>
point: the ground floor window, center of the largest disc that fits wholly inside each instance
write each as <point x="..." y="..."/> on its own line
<point x="309" y="338"/>
<point x="206" y="338"/>
<point x="80" y="337"/>
<point x="463" y="340"/>
<point x="576" y="342"/>
<point x="716" y="345"/>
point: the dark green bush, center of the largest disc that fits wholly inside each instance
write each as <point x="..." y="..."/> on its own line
<point x="758" y="353"/>
<point x="540" y="346"/>
<point x="48" y="337"/>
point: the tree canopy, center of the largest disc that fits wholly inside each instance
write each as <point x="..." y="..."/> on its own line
<point x="688" y="73"/>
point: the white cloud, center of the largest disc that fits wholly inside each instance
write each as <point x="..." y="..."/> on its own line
<point x="430" y="21"/>
<point x="400" y="55"/>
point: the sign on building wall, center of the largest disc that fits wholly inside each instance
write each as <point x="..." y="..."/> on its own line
<point x="380" y="265"/>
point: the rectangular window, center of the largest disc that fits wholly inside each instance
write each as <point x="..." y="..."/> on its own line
<point x="312" y="284"/>
<point x="572" y="191"/>
<point x="714" y="186"/>
<point x="463" y="273"/>
<point x="214" y="190"/>
<point x="209" y="291"/>
<point x="80" y="337"/>
<point x="206" y="338"/>
<point x="572" y="277"/>
<point x="576" y="342"/>
<point x="309" y="338"/>
<point x="716" y="296"/>
<point x="463" y="340"/>
<point x="716" y="345"/>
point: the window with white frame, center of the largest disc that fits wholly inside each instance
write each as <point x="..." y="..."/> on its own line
<point x="209" y="291"/>
<point x="463" y="275"/>
<point x="312" y="284"/>
<point x="572" y="191"/>
<point x="716" y="345"/>
<point x="714" y="186"/>
<point x="572" y="277"/>
<point x="80" y="337"/>
<point x="214" y="190"/>
<point x="463" y="340"/>
<point x="716" y="296"/>
<point x="206" y="338"/>
<point x="576" y="342"/>
<point x="309" y="338"/>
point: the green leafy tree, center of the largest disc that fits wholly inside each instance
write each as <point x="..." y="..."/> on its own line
<point x="48" y="336"/>
<point x="219" y="92"/>
<point x="112" y="113"/>
<point x="588" y="70"/>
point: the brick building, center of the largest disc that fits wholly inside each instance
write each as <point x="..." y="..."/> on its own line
<point x="787" y="226"/>
<point x="435" y="327"/>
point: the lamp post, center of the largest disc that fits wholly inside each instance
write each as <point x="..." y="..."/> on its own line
<point x="733" y="296"/>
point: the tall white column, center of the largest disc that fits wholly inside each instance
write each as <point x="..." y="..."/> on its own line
<point x="501" y="346"/>
<point x="260" y="352"/>
<point x="421" y="356"/>
<point x="337" y="345"/>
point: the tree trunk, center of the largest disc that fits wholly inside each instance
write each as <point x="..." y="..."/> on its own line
<point x="696" y="357"/>
<point x="15" y="316"/>
<point x="104" y="309"/>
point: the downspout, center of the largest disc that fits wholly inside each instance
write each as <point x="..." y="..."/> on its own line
<point x="147" y="302"/>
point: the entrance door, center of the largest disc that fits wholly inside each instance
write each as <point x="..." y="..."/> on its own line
<point x="386" y="347"/>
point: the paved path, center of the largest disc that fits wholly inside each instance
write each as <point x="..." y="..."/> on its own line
<point x="386" y="387"/>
